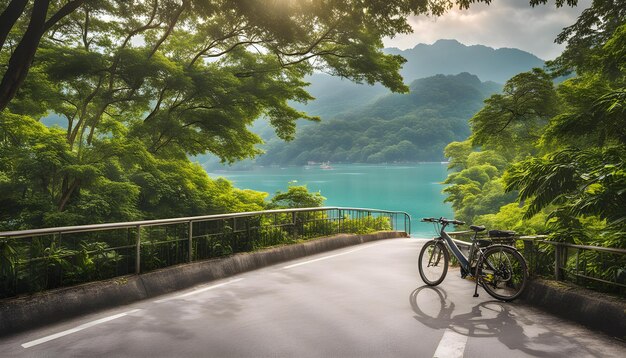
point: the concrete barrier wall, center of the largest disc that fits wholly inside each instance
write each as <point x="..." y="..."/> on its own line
<point x="22" y="313"/>
<point x="595" y="310"/>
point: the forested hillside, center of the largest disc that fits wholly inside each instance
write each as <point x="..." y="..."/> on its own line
<point x="396" y="128"/>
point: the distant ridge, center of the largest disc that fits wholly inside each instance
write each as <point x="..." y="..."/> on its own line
<point x="451" y="57"/>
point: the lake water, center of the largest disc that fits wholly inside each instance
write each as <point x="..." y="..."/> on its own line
<point x="415" y="189"/>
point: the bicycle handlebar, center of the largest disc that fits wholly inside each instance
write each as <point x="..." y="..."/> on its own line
<point x="443" y="220"/>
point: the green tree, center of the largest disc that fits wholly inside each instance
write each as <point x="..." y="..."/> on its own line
<point x="476" y="190"/>
<point x="512" y="122"/>
<point x="297" y="196"/>
<point x="44" y="15"/>
<point x="506" y="129"/>
<point x="586" y="38"/>
<point x="569" y="173"/>
<point x="458" y="153"/>
<point x="511" y="217"/>
<point x="582" y="174"/>
<point x="293" y="31"/>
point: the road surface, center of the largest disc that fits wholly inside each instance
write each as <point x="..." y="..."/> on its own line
<point x="360" y="301"/>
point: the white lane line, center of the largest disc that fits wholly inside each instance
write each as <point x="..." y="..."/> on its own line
<point x="328" y="257"/>
<point x="198" y="291"/>
<point x="451" y="345"/>
<point x="76" y="329"/>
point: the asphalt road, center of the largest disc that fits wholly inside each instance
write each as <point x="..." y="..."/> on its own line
<point x="360" y="301"/>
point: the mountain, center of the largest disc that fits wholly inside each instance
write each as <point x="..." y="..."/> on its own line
<point x="451" y="56"/>
<point x="395" y="128"/>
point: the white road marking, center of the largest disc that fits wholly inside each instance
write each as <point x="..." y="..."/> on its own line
<point x="199" y="291"/>
<point x="451" y="345"/>
<point x="76" y="329"/>
<point x="328" y="257"/>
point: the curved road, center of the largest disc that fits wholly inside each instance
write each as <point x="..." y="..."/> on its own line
<point x="361" y="301"/>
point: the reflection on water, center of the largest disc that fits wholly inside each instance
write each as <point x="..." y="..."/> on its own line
<point x="415" y="189"/>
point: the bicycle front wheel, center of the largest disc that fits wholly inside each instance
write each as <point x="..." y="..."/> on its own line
<point x="503" y="272"/>
<point x="433" y="262"/>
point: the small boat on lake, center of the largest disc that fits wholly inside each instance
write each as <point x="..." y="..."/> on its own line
<point x="326" y="166"/>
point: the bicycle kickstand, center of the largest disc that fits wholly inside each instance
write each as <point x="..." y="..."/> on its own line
<point x="476" y="279"/>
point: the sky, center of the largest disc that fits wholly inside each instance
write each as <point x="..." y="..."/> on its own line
<point x="504" y="23"/>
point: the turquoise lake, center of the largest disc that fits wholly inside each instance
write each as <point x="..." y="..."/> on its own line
<point x="415" y="189"/>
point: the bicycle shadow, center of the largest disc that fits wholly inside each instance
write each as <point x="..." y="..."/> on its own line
<point x="486" y="319"/>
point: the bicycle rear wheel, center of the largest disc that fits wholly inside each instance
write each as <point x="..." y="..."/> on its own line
<point x="503" y="272"/>
<point x="433" y="262"/>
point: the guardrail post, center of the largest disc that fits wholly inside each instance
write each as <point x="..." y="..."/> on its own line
<point x="190" y="253"/>
<point x="407" y="225"/>
<point x="577" y="262"/>
<point x="558" y="254"/>
<point x="529" y="247"/>
<point x="248" y="236"/>
<point x="340" y="217"/>
<point x="408" y="218"/>
<point x="295" y="228"/>
<point x="138" y="252"/>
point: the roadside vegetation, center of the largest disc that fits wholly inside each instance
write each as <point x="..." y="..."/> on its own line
<point x="542" y="156"/>
<point x="551" y="159"/>
<point x="39" y="263"/>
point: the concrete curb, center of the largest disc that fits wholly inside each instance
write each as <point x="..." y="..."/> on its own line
<point x="592" y="309"/>
<point x="27" y="312"/>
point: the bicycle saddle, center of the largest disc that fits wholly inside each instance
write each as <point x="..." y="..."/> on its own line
<point x="477" y="228"/>
<point x="501" y="233"/>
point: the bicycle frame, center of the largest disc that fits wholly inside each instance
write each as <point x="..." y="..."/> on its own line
<point x="452" y="247"/>
<point x="464" y="261"/>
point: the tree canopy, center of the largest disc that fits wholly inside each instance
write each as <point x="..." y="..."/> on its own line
<point x="344" y="36"/>
<point x="140" y="85"/>
<point x="565" y="157"/>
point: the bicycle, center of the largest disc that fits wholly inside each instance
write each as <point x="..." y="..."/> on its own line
<point x="499" y="268"/>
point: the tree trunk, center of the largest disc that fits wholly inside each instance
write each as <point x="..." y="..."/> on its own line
<point x="24" y="54"/>
<point x="67" y="194"/>
<point x="9" y="17"/>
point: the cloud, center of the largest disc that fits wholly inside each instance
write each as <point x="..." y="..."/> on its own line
<point x="504" y="23"/>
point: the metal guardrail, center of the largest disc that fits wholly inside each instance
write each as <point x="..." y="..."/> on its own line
<point x="581" y="263"/>
<point x="40" y="259"/>
<point x="604" y="267"/>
